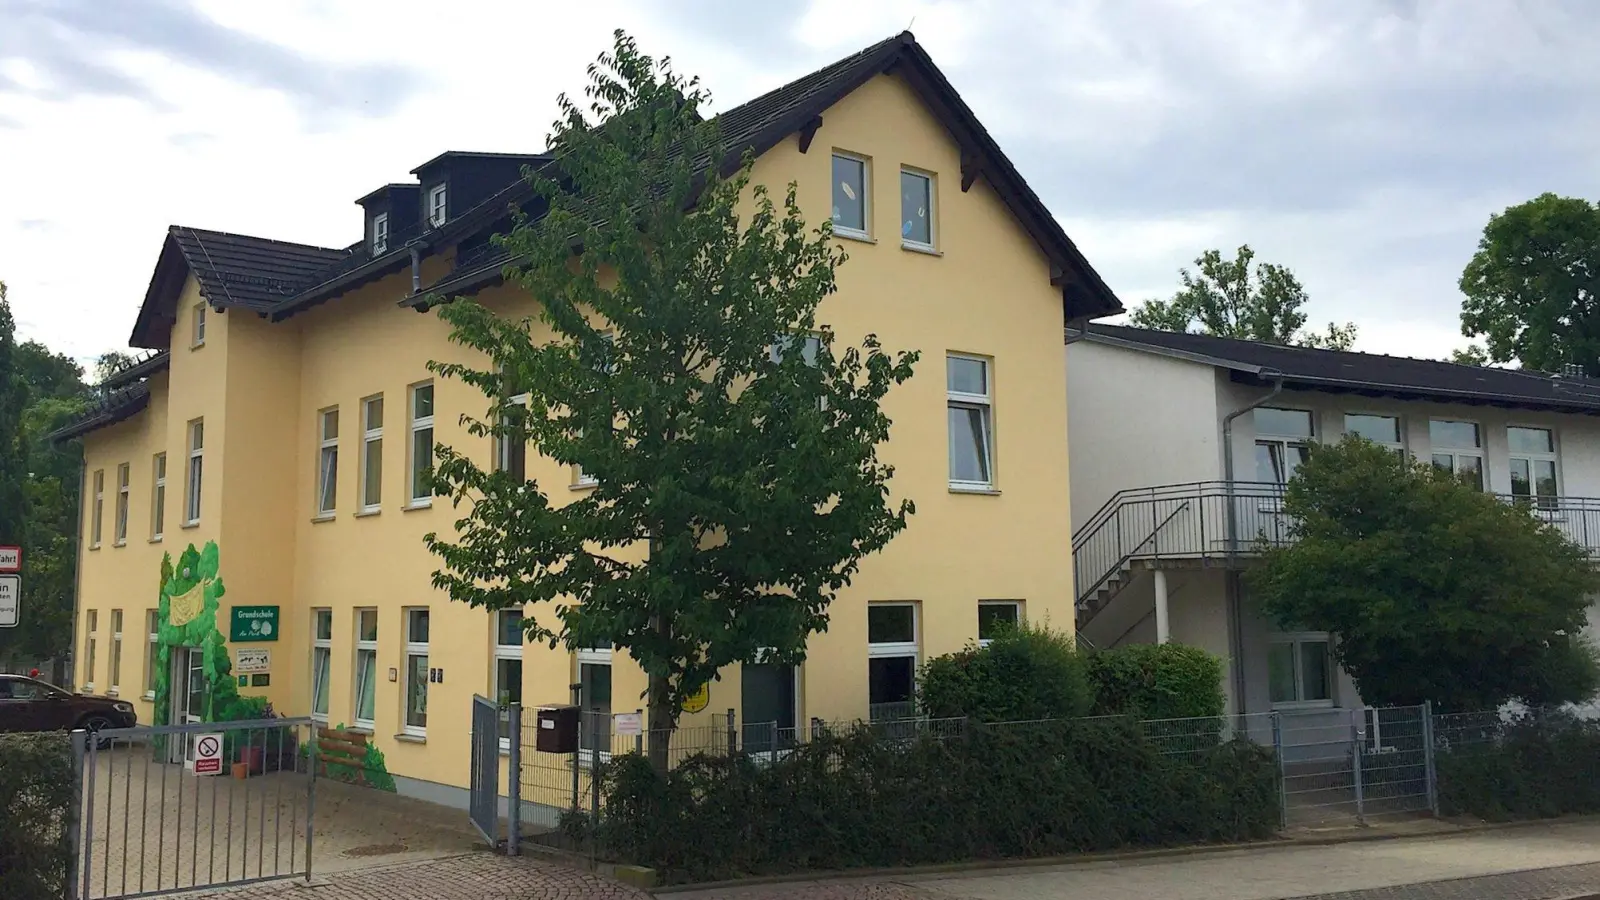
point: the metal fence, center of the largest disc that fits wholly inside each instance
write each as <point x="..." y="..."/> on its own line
<point x="172" y="808"/>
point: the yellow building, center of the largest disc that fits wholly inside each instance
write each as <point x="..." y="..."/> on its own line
<point x="287" y="404"/>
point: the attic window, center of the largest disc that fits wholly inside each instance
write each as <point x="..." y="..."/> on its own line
<point x="850" y="187"/>
<point x="436" y="206"/>
<point x="380" y="233"/>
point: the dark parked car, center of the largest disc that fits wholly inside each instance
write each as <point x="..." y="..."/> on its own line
<point x="28" y="704"/>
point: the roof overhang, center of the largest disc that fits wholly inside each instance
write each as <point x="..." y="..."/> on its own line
<point x="116" y="407"/>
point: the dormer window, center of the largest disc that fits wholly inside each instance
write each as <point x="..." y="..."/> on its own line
<point x="380" y="233"/>
<point x="436" y="206"/>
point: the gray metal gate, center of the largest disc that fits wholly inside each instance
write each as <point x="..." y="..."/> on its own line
<point x="1353" y="764"/>
<point x="493" y="732"/>
<point x="153" y="821"/>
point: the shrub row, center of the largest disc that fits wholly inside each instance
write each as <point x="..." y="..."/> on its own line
<point x="1535" y="766"/>
<point x="35" y="798"/>
<point x="861" y="799"/>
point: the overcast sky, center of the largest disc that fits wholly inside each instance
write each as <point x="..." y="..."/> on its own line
<point x="1362" y="143"/>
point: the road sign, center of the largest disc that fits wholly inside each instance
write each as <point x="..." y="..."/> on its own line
<point x="627" y="724"/>
<point x="10" y="559"/>
<point x="208" y="754"/>
<point x="10" y="600"/>
<point x="254" y="623"/>
<point x="246" y="659"/>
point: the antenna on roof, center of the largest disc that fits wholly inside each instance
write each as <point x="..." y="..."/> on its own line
<point x="213" y="264"/>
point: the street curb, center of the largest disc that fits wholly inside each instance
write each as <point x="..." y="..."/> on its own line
<point x="919" y="872"/>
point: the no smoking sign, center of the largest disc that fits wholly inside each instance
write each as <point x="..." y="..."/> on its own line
<point x="208" y="754"/>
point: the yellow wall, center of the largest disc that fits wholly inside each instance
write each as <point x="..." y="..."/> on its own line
<point x="986" y="292"/>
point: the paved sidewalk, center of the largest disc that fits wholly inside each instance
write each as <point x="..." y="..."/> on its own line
<point x="480" y="876"/>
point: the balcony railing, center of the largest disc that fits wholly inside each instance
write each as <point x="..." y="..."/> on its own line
<point x="1190" y="522"/>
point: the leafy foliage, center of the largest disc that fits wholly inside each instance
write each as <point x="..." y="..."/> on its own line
<point x="1227" y="299"/>
<point x="750" y="472"/>
<point x="1156" y="681"/>
<point x="36" y="793"/>
<point x="1537" y="765"/>
<point x="1025" y="674"/>
<point x="1434" y="590"/>
<point x="1533" y="285"/>
<point x="1471" y="355"/>
<point x="13" y="446"/>
<point x="858" y="799"/>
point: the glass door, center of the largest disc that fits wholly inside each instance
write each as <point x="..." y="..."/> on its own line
<point x="188" y="695"/>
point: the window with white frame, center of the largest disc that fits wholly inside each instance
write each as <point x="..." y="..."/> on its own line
<point x="1533" y="464"/>
<point x="371" y="453"/>
<point x="116" y="653"/>
<point x="916" y="209"/>
<point x="321" y="661"/>
<point x="1300" y="669"/>
<point x="327" y="461"/>
<point x="437" y="210"/>
<point x="1381" y="430"/>
<point x="421" y="444"/>
<point x="1283" y="438"/>
<point x="119" y="534"/>
<point x="970" y="402"/>
<point x="996" y="616"/>
<point x="158" y="497"/>
<point x="97" y="516"/>
<point x="416" y="672"/>
<point x="91" y="623"/>
<point x="851" y="197"/>
<point x="152" y="661"/>
<point x="197" y="446"/>
<point x="199" y="336"/>
<point x="508" y="639"/>
<point x="1457" y="447"/>
<point x="380" y="233"/>
<point x="892" y="655"/>
<point x="594" y="674"/>
<point x="511" y="452"/>
<point x="366" y="667"/>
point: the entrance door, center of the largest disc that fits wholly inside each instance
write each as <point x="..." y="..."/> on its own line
<point x="767" y="695"/>
<point x="188" y="694"/>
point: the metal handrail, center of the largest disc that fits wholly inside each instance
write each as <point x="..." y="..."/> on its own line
<point x="1155" y="534"/>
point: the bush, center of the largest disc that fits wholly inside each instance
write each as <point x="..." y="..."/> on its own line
<point x="858" y="799"/>
<point x="1156" y="681"/>
<point x="1025" y="674"/>
<point x="36" y="795"/>
<point x="1535" y="766"/>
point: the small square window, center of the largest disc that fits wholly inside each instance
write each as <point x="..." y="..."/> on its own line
<point x="850" y="198"/>
<point x="996" y="616"/>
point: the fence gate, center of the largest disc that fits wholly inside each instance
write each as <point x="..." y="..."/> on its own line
<point x="489" y="722"/>
<point x="1353" y="764"/>
<point x="172" y="808"/>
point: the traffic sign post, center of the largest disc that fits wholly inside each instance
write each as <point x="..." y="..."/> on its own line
<point x="10" y="600"/>
<point x="208" y="754"/>
<point x="10" y="558"/>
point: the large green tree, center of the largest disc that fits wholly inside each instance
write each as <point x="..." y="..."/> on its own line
<point x="732" y="438"/>
<point x="1533" y="287"/>
<point x="1228" y="298"/>
<point x="13" y="445"/>
<point x="1433" y="589"/>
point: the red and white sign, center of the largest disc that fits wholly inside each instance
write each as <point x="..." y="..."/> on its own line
<point x="208" y="754"/>
<point x="10" y="559"/>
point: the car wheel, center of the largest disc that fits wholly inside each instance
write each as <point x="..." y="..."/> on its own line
<point x="93" y="725"/>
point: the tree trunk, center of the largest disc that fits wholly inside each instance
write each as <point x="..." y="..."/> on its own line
<point x="663" y="723"/>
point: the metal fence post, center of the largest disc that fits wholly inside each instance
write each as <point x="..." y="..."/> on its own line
<point x="1358" y="735"/>
<point x="311" y="797"/>
<point x="577" y="700"/>
<point x="80" y="744"/>
<point x="514" y="776"/>
<point x="638" y="739"/>
<point x="1430" y="773"/>
<point x="733" y="734"/>
<point x="1283" y="786"/>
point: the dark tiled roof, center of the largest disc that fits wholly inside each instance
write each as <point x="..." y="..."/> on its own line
<point x="137" y="370"/>
<point x="1365" y="373"/>
<point x="107" y="410"/>
<point x="255" y="273"/>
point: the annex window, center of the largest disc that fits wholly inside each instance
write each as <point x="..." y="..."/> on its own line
<point x="158" y="497"/>
<point x="97" y="515"/>
<point x="116" y="653"/>
<point x="416" y="672"/>
<point x="371" y="454"/>
<point x="892" y="655"/>
<point x="197" y="446"/>
<point x="380" y="233"/>
<point x="851" y="205"/>
<point x="508" y="639"/>
<point x="91" y="622"/>
<point x="327" y="461"/>
<point x="1381" y="430"/>
<point x="199" y="336"/>
<point x="436" y="206"/>
<point x="366" y="666"/>
<point x="1458" y="447"/>
<point x="152" y="661"/>
<point x="321" y="661"/>
<point x="511" y="453"/>
<point x="421" y="444"/>
<point x="1300" y="669"/>
<point x="119" y="534"/>
<point x="594" y="674"/>
<point x="916" y="210"/>
<point x="1533" y="464"/>
<point x="970" y="403"/>
<point x="1283" y="438"/>
<point x="995" y="616"/>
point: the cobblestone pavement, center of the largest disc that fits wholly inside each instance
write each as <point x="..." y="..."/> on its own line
<point x="480" y="876"/>
<point x="1561" y="883"/>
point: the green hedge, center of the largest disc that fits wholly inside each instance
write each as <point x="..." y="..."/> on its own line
<point x="35" y="796"/>
<point x="1156" y="681"/>
<point x="1536" y="766"/>
<point x="858" y="799"/>
<point x="1025" y="674"/>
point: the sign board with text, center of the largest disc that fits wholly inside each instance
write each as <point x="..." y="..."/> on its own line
<point x="252" y="659"/>
<point x="254" y="623"/>
<point x="208" y="754"/>
<point x="10" y="559"/>
<point x="627" y="724"/>
<point x="10" y="600"/>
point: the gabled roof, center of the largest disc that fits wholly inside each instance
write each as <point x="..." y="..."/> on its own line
<point x="1338" y="371"/>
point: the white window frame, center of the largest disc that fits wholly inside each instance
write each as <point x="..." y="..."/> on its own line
<point x="97" y="517"/>
<point x="864" y="233"/>
<point x="365" y="646"/>
<point x="91" y="624"/>
<point x="413" y="650"/>
<point x="119" y="525"/>
<point x="114" y="676"/>
<point x="152" y="656"/>
<point x="1297" y="638"/>
<point x="1285" y="441"/>
<point x="418" y="424"/>
<point x="198" y="338"/>
<point x="933" y="222"/>
<point x="502" y="446"/>
<point x="502" y="651"/>
<point x="158" y="496"/>
<point x="897" y="649"/>
<point x="983" y="402"/>
<point x="323" y="646"/>
<point x="371" y="436"/>
<point x="1457" y="454"/>
<point x="1398" y="445"/>
<point x="438" y="210"/>
<point x="380" y="234"/>
<point x="1545" y="502"/>
<point x="327" y="462"/>
<point x="1014" y="604"/>
<point x="195" y="480"/>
